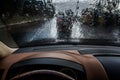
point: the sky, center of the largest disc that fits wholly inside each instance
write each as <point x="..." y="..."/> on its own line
<point x="69" y="0"/>
<point x="55" y="1"/>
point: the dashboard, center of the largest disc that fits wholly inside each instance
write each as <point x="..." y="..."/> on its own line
<point x="81" y="62"/>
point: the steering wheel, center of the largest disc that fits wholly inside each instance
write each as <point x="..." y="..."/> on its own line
<point x="42" y="75"/>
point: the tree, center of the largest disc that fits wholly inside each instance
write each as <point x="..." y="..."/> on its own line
<point x="8" y="7"/>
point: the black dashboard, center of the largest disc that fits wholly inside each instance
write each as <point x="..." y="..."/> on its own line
<point x="83" y="49"/>
<point x="111" y="65"/>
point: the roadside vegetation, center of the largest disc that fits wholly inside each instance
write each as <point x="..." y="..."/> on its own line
<point x="23" y="11"/>
<point x="22" y="19"/>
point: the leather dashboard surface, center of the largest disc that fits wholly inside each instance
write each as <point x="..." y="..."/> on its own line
<point x="93" y="67"/>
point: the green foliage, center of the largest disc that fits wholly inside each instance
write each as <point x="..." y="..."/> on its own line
<point x="22" y="11"/>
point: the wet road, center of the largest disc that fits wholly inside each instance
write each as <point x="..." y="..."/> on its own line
<point x="48" y="29"/>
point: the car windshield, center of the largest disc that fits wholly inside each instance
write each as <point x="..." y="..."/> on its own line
<point x="36" y="22"/>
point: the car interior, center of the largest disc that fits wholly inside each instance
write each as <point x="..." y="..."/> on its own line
<point x="60" y="62"/>
<point x="59" y="40"/>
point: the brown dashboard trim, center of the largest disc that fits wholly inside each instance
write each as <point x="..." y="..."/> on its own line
<point x="93" y="67"/>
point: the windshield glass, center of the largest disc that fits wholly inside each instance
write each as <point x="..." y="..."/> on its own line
<point x="50" y="21"/>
